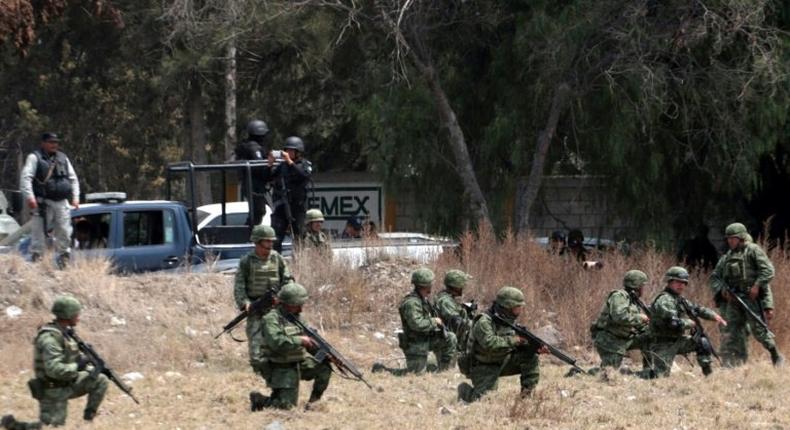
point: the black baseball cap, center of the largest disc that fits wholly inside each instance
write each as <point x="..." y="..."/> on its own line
<point x="46" y="137"/>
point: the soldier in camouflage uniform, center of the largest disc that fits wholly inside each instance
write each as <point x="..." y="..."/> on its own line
<point x="262" y="271"/>
<point x="670" y="325"/>
<point x="313" y="236"/>
<point x="746" y="269"/>
<point x="287" y="351"/>
<point x="454" y="315"/>
<point x="495" y="350"/>
<point x="423" y="330"/>
<point x="622" y="324"/>
<point x="61" y="372"/>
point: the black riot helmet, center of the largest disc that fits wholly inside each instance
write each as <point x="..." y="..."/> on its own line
<point x="257" y="128"/>
<point x="295" y="143"/>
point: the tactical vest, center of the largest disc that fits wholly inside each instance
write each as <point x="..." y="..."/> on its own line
<point x="71" y="351"/>
<point x="427" y="311"/>
<point x="739" y="268"/>
<point x="263" y="275"/>
<point x="604" y="321"/>
<point x="51" y="180"/>
<point x="662" y="328"/>
<point x="490" y="356"/>
<point x="317" y="240"/>
<point x="289" y="329"/>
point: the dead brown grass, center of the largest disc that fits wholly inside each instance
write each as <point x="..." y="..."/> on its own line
<point x="163" y="325"/>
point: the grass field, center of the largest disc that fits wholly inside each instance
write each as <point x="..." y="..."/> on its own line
<point x="162" y="326"/>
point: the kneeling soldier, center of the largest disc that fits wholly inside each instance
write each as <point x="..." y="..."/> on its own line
<point x="60" y="371"/>
<point x="496" y="350"/>
<point x="423" y="330"/>
<point x="622" y="324"/>
<point x="453" y="314"/>
<point x="670" y="321"/>
<point x="287" y="354"/>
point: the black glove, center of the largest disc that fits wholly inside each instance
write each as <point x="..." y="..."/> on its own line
<point x="82" y="363"/>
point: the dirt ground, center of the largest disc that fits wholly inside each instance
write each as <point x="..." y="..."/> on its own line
<point x="162" y="326"/>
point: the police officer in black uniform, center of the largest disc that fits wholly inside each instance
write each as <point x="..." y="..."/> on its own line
<point x="289" y="183"/>
<point x="254" y="148"/>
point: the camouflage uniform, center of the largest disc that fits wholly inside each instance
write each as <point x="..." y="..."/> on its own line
<point x="58" y="373"/>
<point x="254" y="279"/>
<point x="421" y="332"/>
<point x="495" y="350"/>
<point x="318" y="240"/>
<point x="669" y="325"/>
<point x="740" y="269"/>
<point x="452" y="313"/>
<point x="287" y="361"/>
<point x="620" y="326"/>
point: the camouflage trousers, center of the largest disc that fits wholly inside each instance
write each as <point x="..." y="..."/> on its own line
<point x="416" y="352"/>
<point x="59" y="220"/>
<point x="255" y="341"/>
<point x="485" y="376"/>
<point x="53" y="404"/>
<point x="664" y="350"/>
<point x="613" y="348"/>
<point x="284" y="379"/>
<point x="735" y="336"/>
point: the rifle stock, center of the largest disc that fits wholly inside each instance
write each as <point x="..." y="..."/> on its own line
<point x="701" y="338"/>
<point x="745" y="307"/>
<point x="257" y="307"/>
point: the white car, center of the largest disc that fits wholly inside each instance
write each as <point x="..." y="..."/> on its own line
<point x="235" y="212"/>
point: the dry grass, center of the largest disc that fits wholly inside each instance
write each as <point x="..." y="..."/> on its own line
<point x="169" y="322"/>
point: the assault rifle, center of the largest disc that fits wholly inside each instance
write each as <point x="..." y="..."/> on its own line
<point x="327" y="351"/>
<point x="435" y="313"/>
<point x="749" y="310"/>
<point x="99" y="366"/>
<point x="639" y="303"/>
<point x="701" y="339"/>
<point x="538" y="342"/>
<point x="257" y="307"/>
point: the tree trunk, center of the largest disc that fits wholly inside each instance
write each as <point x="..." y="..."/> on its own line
<point x="197" y="138"/>
<point x="230" y="99"/>
<point x="527" y="188"/>
<point x="464" y="168"/>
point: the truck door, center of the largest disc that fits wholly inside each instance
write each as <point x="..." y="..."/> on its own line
<point x="149" y="241"/>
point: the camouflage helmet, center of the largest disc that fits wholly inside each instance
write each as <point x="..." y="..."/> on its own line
<point x="313" y="215"/>
<point x="422" y="277"/>
<point x="736" y="229"/>
<point x="509" y="297"/>
<point x="262" y="232"/>
<point x="456" y="279"/>
<point x="66" y="307"/>
<point x="676" y="273"/>
<point x="634" y="279"/>
<point x="292" y="294"/>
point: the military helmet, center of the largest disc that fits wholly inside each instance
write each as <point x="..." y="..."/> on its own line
<point x="509" y="297"/>
<point x="634" y="279"/>
<point x="456" y="279"/>
<point x="736" y="229"/>
<point x="262" y="232"/>
<point x="66" y="307"/>
<point x="294" y="142"/>
<point x="292" y="294"/>
<point x="422" y="277"/>
<point x="257" y="127"/>
<point x="313" y="215"/>
<point x="676" y="273"/>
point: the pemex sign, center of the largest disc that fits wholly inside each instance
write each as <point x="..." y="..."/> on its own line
<point x="340" y="200"/>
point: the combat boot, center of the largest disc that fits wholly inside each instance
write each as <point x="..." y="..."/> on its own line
<point x="378" y="367"/>
<point x="526" y="392"/>
<point x="34" y="257"/>
<point x="258" y="401"/>
<point x="63" y="260"/>
<point x="464" y="392"/>
<point x="7" y="421"/>
<point x="776" y="358"/>
<point x="706" y="369"/>
<point x="89" y="415"/>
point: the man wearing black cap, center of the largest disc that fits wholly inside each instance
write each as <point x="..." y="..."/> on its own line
<point x="50" y="187"/>
<point x="353" y="229"/>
